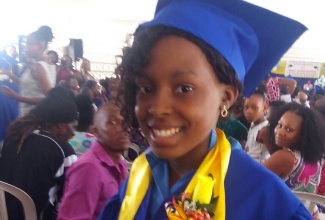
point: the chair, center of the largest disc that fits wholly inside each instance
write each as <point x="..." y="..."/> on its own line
<point x="27" y="202"/>
<point x="310" y="200"/>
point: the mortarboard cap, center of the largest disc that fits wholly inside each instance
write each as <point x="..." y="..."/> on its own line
<point x="252" y="39"/>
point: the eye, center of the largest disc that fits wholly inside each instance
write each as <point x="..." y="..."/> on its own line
<point x="279" y="126"/>
<point x="288" y="130"/>
<point x="184" y="89"/>
<point x="144" y="89"/>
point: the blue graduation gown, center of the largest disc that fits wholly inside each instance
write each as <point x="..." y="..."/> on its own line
<point x="252" y="193"/>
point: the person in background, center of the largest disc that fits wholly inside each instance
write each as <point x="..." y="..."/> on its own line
<point x="96" y="90"/>
<point x="83" y="137"/>
<point x="10" y="57"/>
<point x="36" y="153"/>
<point x="254" y="110"/>
<point x="98" y="174"/>
<point x="85" y="69"/>
<point x="38" y="79"/>
<point x="313" y="99"/>
<point x="299" y="132"/>
<point x="178" y="75"/>
<point x="272" y="86"/>
<point x="54" y="59"/>
<point x="308" y="86"/>
<point x="264" y="132"/>
<point x="302" y="99"/>
<point x="72" y="83"/>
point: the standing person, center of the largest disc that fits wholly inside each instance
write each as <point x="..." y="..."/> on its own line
<point x="38" y="79"/>
<point x="254" y="111"/>
<point x="181" y="72"/>
<point x="36" y="153"/>
<point x="299" y="132"/>
<point x="98" y="174"/>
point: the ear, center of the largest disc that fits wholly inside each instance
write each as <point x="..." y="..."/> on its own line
<point x="230" y="96"/>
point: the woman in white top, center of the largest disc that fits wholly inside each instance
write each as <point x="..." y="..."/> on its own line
<point x="38" y="77"/>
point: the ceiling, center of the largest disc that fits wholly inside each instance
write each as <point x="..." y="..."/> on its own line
<point x="103" y="24"/>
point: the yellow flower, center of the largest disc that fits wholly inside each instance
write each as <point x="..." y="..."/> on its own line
<point x="203" y="189"/>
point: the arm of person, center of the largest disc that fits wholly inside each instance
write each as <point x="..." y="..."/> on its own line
<point x="288" y="83"/>
<point x="280" y="163"/>
<point x="14" y="95"/>
<point x="83" y="185"/>
<point x="10" y="74"/>
<point x="263" y="137"/>
<point x="39" y="74"/>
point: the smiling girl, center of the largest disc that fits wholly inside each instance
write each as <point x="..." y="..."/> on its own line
<point x="184" y="69"/>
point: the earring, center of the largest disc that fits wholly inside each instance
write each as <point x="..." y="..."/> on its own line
<point x="224" y="111"/>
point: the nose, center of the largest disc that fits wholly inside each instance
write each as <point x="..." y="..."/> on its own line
<point x="160" y="104"/>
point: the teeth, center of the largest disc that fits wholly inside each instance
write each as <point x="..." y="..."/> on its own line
<point x="166" y="133"/>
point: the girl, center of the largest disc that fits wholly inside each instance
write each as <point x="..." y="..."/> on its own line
<point x="182" y="71"/>
<point x="299" y="133"/>
<point x="37" y="79"/>
<point x="254" y="111"/>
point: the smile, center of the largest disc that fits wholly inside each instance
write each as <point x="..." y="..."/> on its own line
<point x="166" y="132"/>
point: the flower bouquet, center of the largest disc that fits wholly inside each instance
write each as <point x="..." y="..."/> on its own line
<point x="197" y="206"/>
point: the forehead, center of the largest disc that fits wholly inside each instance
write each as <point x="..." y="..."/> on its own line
<point x="291" y="118"/>
<point x="254" y="99"/>
<point x="173" y="55"/>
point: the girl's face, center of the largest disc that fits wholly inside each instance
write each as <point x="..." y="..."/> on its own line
<point x="33" y="48"/>
<point x="288" y="130"/>
<point x="178" y="99"/>
<point x="254" y="108"/>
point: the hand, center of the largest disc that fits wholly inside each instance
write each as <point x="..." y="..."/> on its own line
<point x="9" y="92"/>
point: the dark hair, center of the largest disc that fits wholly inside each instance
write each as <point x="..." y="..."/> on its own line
<point x="260" y="93"/>
<point x="277" y="104"/>
<point x="43" y="34"/>
<point x="86" y="112"/>
<point x="137" y="56"/>
<point x="91" y="84"/>
<point x="311" y="143"/>
<point x="58" y="107"/>
<point x="53" y="53"/>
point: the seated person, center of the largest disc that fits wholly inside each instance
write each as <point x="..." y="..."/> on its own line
<point x="98" y="174"/>
<point x="83" y="138"/>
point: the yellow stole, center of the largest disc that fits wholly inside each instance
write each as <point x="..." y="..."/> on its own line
<point x="215" y="163"/>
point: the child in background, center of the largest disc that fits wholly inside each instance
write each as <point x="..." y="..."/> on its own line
<point x="183" y="70"/>
<point x="254" y="110"/>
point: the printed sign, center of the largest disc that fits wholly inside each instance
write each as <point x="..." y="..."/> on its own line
<point x="302" y="69"/>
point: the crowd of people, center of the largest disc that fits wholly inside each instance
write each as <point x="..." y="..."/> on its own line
<point x="218" y="139"/>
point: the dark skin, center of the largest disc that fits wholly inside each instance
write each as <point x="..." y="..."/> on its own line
<point x="178" y="102"/>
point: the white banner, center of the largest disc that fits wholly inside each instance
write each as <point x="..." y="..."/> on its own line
<point x="302" y="69"/>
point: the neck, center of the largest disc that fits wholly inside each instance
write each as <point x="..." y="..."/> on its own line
<point x="259" y="121"/>
<point x="179" y="167"/>
<point x="114" y="155"/>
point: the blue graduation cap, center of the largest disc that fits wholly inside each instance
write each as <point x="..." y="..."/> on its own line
<point x="252" y="39"/>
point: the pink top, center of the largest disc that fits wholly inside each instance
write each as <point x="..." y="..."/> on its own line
<point x="89" y="183"/>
